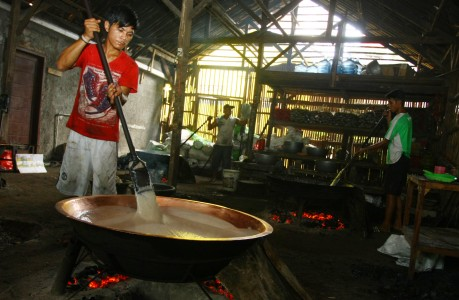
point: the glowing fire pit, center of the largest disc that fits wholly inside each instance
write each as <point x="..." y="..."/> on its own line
<point x="309" y="219"/>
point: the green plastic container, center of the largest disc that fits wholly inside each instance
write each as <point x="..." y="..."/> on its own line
<point x="445" y="177"/>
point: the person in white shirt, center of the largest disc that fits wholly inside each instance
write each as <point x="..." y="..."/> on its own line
<point x="222" y="150"/>
<point x="398" y="141"/>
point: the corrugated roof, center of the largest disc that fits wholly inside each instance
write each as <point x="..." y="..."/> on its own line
<point x="424" y="32"/>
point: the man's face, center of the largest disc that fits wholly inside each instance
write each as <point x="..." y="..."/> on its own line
<point x="118" y="36"/>
<point x="227" y="111"/>
<point x="394" y="104"/>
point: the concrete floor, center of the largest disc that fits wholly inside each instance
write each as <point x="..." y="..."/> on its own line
<point x="329" y="264"/>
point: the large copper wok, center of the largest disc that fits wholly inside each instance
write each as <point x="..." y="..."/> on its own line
<point x="156" y="257"/>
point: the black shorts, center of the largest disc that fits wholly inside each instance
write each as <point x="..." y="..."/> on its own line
<point x="396" y="176"/>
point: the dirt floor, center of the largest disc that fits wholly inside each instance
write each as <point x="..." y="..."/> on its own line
<point x="328" y="264"/>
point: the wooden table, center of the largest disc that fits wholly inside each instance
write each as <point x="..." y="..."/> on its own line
<point x="441" y="241"/>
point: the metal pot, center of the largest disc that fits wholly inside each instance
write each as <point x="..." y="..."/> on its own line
<point x="162" y="189"/>
<point x="327" y="166"/>
<point x="157" y="257"/>
<point x="265" y="159"/>
<point x="317" y="152"/>
<point x="292" y="147"/>
<point x="373" y="68"/>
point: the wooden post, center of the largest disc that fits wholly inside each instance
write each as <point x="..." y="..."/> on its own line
<point x="10" y="56"/>
<point x="271" y="118"/>
<point x="182" y="62"/>
<point x="256" y="94"/>
<point x="338" y="54"/>
<point x="256" y="101"/>
<point x="67" y="266"/>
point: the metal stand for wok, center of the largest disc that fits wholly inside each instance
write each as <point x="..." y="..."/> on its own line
<point x="68" y="265"/>
<point x="71" y="261"/>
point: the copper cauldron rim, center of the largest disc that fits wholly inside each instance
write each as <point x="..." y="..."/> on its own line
<point x="83" y="202"/>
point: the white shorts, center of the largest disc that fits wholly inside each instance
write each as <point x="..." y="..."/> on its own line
<point x="86" y="159"/>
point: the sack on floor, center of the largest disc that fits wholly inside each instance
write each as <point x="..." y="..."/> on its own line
<point x="397" y="246"/>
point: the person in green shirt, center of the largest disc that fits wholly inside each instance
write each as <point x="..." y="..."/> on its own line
<point x="398" y="142"/>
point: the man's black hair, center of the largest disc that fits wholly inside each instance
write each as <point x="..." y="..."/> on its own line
<point x="396" y="94"/>
<point x="123" y="16"/>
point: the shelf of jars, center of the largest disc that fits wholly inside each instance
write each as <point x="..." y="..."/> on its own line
<point x="353" y="86"/>
<point x="326" y="128"/>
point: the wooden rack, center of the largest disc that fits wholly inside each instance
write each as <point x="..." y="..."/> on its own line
<point x="287" y="85"/>
<point x="442" y="241"/>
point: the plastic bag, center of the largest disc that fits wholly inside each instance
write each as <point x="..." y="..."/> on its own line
<point x="245" y="111"/>
<point x="397" y="246"/>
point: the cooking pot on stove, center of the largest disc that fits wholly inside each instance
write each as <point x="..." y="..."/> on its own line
<point x="265" y="158"/>
<point x="316" y="151"/>
<point x="161" y="189"/>
<point x="292" y="147"/>
<point x="327" y="166"/>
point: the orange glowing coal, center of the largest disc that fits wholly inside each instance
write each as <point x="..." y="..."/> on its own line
<point x="97" y="280"/>
<point x="106" y="280"/>
<point x="322" y="220"/>
<point x="216" y="287"/>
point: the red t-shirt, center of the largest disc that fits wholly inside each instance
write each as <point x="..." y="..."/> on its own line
<point x="92" y="114"/>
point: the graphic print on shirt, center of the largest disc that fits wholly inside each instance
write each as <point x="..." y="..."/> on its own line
<point x="93" y="102"/>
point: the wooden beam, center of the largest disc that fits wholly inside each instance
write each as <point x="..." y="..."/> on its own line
<point x="437" y="15"/>
<point x="172" y="8"/>
<point x="294" y="23"/>
<point x="274" y="20"/>
<point x="331" y="15"/>
<point x="404" y="12"/>
<point x="391" y="47"/>
<point x="454" y="57"/>
<point x="141" y="50"/>
<point x="200" y="7"/>
<point x="276" y="38"/>
<point x="323" y="34"/>
<point x="221" y="15"/>
<point x="243" y="56"/>
<point x="418" y="62"/>
<point x="278" y="56"/>
<point x="177" y="120"/>
<point x="29" y="14"/>
<point x="368" y="86"/>
<point x="286" y="9"/>
<point x="360" y="13"/>
<point x="226" y="20"/>
<point x="250" y="12"/>
<point x="389" y="44"/>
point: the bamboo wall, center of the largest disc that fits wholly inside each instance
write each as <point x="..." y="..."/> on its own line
<point x="448" y="127"/>
<point x="208" y="89"/>
<point x="444" y="147"/>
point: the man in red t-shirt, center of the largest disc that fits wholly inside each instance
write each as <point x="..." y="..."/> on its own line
<point x="91" y="151"/>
